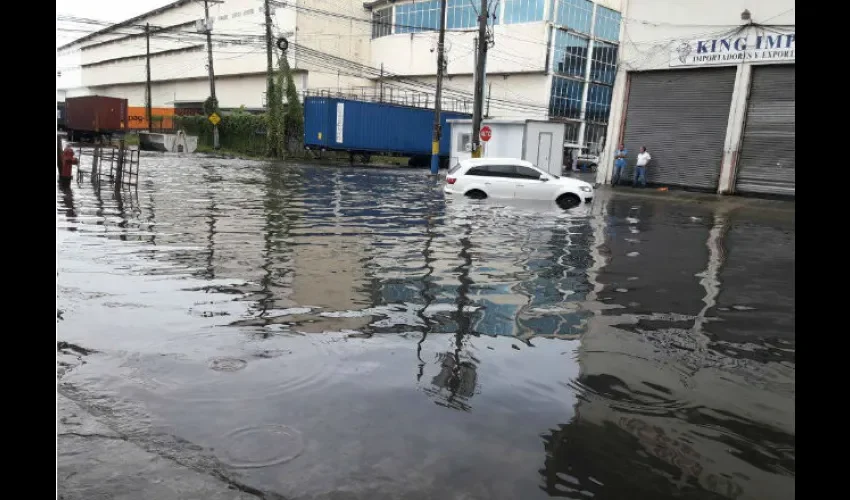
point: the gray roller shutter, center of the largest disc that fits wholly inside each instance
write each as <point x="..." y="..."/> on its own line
<point x="681" y="118"/>
<point x="766" y="163"/>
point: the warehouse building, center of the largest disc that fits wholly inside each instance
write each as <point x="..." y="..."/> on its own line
<point x="549" y="59"/>
<point x="111" y="61"/>
<point x="709" y="89"/>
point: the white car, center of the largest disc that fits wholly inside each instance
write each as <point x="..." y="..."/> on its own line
<point x="502" y="178"/>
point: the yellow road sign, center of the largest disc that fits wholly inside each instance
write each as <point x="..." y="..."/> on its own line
<point x="214" y="119"/>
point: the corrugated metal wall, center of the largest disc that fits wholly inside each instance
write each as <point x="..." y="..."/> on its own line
<point x="767" y="161"/>
<point x="681" y="117"/>
<point x="349" y="125"/>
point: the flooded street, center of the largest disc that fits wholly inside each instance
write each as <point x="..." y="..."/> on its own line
<point x="308" y="332"/>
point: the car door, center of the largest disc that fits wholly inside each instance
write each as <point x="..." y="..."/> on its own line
<point x="530" y="187"/>
<point x="497" y="180"/>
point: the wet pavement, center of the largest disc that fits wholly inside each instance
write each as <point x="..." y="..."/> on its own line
<point x="235" y="329"/>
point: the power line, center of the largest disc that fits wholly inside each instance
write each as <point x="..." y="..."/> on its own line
<point x="353" y="68"/>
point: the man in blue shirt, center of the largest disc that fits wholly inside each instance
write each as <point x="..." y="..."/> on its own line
<point x="619" y="164"/>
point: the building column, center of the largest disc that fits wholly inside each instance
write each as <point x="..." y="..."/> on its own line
<point x="735" y="129"/>
<point x="616" y="118"/>
<point x="550" y="62"/>
<point x="582" y="128"/>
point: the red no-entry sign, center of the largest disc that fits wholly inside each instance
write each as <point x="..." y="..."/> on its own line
<point x="486" y="133"/>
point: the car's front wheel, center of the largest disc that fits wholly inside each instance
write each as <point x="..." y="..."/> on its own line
<point x="476" y="194"/>
<point x="568" y="201"/>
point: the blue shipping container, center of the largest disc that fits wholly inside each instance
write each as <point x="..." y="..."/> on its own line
<point x="372" y="127"/>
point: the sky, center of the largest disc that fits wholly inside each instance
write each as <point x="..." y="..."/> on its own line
<point x="114" y="11"/>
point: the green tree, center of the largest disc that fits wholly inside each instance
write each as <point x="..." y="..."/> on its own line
<point x="293" y="120"/>
<point x="275" y="127"/>
<point x="211" y="106"/>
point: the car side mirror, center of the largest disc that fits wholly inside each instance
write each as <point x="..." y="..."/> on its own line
<point x="544" y="178"/>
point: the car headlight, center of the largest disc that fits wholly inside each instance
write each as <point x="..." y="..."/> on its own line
<point x="586" y="189"/>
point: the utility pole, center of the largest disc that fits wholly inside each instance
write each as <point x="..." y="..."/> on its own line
<point x="478" y="105"/>
<point x="474" y="66"/>
<point x="438" y="98"/>
<point x="269" y="65"/>
<point x="208" y="29"/>
<point x="382" y="82"/>
<point x="148" y="97"/>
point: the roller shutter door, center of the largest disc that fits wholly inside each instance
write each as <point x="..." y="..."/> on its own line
<point x="766" y="163"/>
<point x="681" y="117"/>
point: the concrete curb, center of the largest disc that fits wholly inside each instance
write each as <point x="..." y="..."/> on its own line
<point x="94" y="461"/>
<point x="730" y="201"/>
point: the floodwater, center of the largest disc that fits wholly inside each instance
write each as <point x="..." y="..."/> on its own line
<point x="322" y="332"/>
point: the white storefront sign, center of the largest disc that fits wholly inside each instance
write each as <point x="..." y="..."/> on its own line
<point x="760" y="46"/>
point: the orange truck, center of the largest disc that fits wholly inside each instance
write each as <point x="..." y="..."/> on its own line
<point x="162" y="118"/>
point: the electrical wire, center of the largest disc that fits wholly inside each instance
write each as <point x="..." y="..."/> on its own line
<point x="328" y="61"/>
<point x="340" y="66"/>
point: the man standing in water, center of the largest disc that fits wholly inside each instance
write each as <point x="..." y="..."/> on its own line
<point x="619" y="164"/>
<point x="640" y="168"/>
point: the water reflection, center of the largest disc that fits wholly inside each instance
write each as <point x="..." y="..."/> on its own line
<point x="456" y="382"/>
<point x="629" y="349"/>
<point x="661" y="395"/>
<point x="427" y="293"/>
<point x="67" y="197"/>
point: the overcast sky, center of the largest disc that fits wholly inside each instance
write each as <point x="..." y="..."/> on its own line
<point x="100" y="10"/>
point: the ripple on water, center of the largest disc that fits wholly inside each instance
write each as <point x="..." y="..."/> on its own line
<point x="261" y="446"/>
<point x="280" y="374"/>
<point x="227" y="364"/>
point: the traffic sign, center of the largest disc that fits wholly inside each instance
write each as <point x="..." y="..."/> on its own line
<point x="486" y="133"/>
<point x="214" y="119"/>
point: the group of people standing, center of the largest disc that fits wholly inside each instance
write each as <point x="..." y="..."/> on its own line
<point x="640" y="165"/>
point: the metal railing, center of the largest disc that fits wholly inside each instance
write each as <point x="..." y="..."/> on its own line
<point x="391" y="95"/>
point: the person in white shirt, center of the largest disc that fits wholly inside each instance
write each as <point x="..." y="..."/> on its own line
<point x="640" y="169"/>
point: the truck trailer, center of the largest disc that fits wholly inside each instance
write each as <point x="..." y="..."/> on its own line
<point x="60" y="115"/>
<point x="374" y="128"/>
<point x="89" y="118"/>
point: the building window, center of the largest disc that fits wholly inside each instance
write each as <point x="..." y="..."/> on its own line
<point x="575" y="15"/>
<point x="461" y="14"/>
<point x="382" y="22"/>
<point x="248" y="12"/>
<point x="236" y="14"/>
<point x="607" y="24"/>
<point x="570" y="54"/>
<point x="565" y="100"/>
<point x="571" y="130"/>
<point x="222" y="18"/>
<point x="603" y="68"/>
<point x="417" y="17"/>
<point x="598" y="103"/>
<point x="523" y="11"/>
<point x="464" y="140"/>
<point x="594" y="138"/>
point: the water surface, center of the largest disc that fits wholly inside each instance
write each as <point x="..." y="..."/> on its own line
<point x="322" y="332"/>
